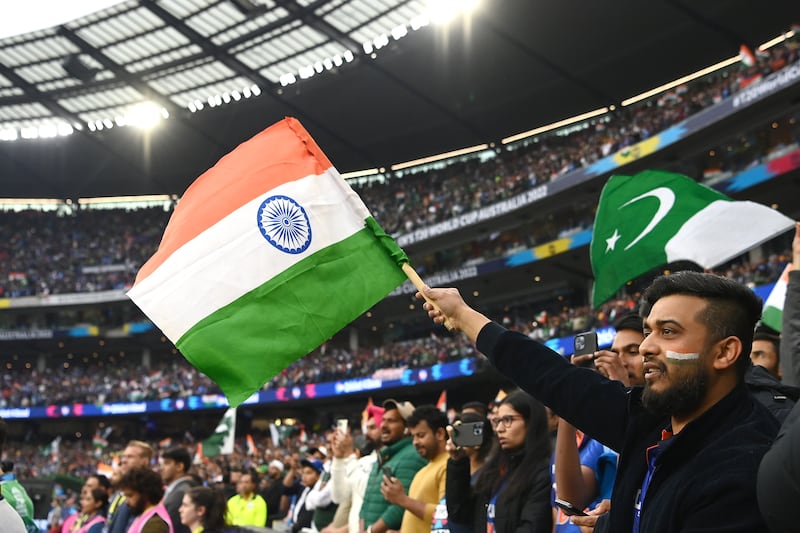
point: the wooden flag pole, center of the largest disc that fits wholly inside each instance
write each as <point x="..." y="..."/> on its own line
<point x="420" y="285"/>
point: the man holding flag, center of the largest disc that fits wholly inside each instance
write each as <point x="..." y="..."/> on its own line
<point x="691" y="439"/>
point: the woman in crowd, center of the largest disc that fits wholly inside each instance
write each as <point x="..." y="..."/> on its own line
<point x="512" y="490"/>
<point x="471" y="458"/>
<point x="203" y="510"/>
<point x="91" y="518"/>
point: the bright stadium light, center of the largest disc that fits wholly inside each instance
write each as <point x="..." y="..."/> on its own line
<point x="443" y="11"/>
<point x="144" y="115"/>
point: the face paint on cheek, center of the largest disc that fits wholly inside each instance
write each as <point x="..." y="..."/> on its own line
<point x="678" y="357"/>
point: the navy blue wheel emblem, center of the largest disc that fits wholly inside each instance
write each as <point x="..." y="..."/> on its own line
<point x="284" y="223"/>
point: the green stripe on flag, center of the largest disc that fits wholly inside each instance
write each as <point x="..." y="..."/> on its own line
<point x="772" y="317"/>
<point x="252" y="339"/>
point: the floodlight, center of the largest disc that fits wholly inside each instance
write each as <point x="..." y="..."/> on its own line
<point x="144" y="115"/>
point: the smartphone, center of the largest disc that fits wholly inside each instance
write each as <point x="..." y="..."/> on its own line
<point x="468" y="434"/>
<point x="342" y="425"/>
<point x="388" y="472"/>
<point x="568" y="508"/>
<point x="584" y="344"/>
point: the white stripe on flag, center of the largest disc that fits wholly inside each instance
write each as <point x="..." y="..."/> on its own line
<point x="746" y="225"/>
<point x="231" y="258"/>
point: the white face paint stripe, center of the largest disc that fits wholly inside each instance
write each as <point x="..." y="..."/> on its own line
<point x="682" y="356"/>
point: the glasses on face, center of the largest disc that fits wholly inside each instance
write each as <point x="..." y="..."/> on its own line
<point x="504" y="421"/>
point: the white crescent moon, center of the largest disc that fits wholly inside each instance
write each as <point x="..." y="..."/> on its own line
<point x="666" y="199"/>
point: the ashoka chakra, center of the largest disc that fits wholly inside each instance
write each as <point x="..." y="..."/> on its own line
<point x="284" y="223"/>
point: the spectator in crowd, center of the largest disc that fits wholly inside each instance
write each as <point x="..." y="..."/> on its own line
<point x="583" y="468"/>
<point x="143" y="493"/>
<point x="175" y="465"/>
<point x="693" y="422"/>
<point x="137" y="454"/>
<point x="479" y="408"/>
<point x="302" y="513"/>
<point x="622" y="361"/>
<point x="17" y="496"/>
<point x="779" y="472"/>
<point x="319" y="498"/>
<point x="203" y="509"/>
<point x="475" y="455"/>
<point x="11" y="520"/>
<point x="779" y="398"/>
<point x="398" y="458"/>
<point x="91" y="517"/>
<point x="765" y="352"/>
<point x="512" y="490"/>
<point x="427" y="425"/>
<point x="350" y="468"/>
<point x="99" y="481"/>
<point x="273" y="493"/>
<point x="246" y="507"/>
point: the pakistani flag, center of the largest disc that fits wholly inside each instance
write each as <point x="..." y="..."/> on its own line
<point x="221" y="442"/>
<point x="654" y="218"/>
<point x="772" y="315"/>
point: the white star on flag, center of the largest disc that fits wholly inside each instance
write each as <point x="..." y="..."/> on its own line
<point x="611" y="242"/>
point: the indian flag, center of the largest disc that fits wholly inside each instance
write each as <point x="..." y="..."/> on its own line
<point x="746" y="56"/>
<point x="655" y="218"/>
<point x="772" y="315"/>
<point x="267" y="255"/>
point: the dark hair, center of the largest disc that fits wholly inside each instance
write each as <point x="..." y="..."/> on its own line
<point x="100" y="494"/>
<point x="488" y="433"/>
<point x="761" y="336"/>
<point x="519" y="470"/>
<point x="144" y="481"/>
<point x="180" y="455"/>
<point x="430" y="414"/>
<point x="732" y="309"/>
<point x="253" y="475"/>
<point x="480" y="407"/>
<point x="632" y="321"/>
<point x="102" y="480"/>
<point x="7" y="466"/>
<point x="213" y="499"/>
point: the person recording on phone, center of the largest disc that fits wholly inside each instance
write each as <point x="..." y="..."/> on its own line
<point x="584" y="469"/>
<point x="427" y="426"/>
<point x="398" y="458"/>
<point x="471" y="440"/>
<point x="350" y="468"/>
<point x="512" y="490"/>
<point x="691" y="440"/>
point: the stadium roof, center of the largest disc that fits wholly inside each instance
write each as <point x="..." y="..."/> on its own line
<point x="510" y="66"/>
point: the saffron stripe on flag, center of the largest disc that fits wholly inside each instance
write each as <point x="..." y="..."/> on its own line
<point x="222" y="270"/>
<point x="258" y="165"/>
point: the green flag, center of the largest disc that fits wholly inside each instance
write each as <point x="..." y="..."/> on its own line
<point x="772" y="315"/>
<point x="221" y="442"/>
<point x="654" y="218"/>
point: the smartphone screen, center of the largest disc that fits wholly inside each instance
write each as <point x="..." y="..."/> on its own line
<point x="342" y="425"/>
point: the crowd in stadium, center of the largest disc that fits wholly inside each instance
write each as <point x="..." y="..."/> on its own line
<point x="170" y="376"/>
<point x="401" y="469"/>
<point x="89" y="250"/>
